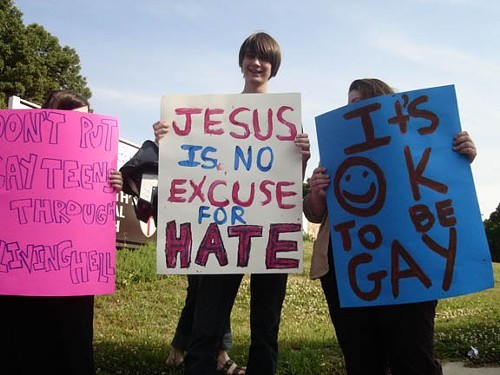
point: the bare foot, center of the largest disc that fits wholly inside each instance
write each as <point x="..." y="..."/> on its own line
<point x="175" y="358"/>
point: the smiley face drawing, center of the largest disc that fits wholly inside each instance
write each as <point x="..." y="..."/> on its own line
<point x="360" y="186"/>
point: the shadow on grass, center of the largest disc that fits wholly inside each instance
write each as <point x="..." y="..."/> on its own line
<point x="141" y="359"/>
<point x="295" y="358"/>
<point x="310" y="358"/>
<point x="130" y="358"/>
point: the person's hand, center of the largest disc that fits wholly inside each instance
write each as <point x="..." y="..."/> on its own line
<point x="318" y="182"/>
<point x="302" y="141"/>
<point x="463" y="144"/>
<point x="160" y="128"/>
<point x="116" y="180"/>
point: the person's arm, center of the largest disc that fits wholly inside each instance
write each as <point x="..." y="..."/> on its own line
<point x="315" y="202"/>
<point x="463" y="144"/>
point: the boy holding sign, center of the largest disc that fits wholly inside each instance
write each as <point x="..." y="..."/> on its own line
<point x="259" y="60"/>
<point x="396" y="339"/>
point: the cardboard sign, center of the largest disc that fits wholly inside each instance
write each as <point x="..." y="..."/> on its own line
<point x="57" y="236"/>
<point x="230" y="185"/>
<point x="405" y="222"/>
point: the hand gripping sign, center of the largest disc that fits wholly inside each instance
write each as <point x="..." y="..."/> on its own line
<point x="405" y="222"/>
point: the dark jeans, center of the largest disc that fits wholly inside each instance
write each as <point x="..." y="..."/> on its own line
<point x="185" y="324"/>
<point x="374" y="340"/>
<point x="216" y="294"/>
<point x="52" y="335"/>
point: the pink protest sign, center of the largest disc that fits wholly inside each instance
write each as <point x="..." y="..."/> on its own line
<point x="57" y="233"/>
<point x="230" y="185"/>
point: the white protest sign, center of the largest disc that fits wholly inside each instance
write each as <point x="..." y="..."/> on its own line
<point x="230" y="185"/>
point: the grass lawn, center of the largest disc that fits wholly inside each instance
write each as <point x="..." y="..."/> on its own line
<point x="134" y="326"/>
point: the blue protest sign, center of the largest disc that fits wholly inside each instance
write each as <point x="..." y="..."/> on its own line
<point x="405" y="221"/>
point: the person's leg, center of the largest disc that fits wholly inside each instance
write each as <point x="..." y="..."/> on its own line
<point x="14" y="339"/>
<point x="359" y="339"/>
<point x="227" y="337"/>
<point x="50" y="334"/>
<point x="75" y="317"/>
<point x="267" y="296"/>
<point x="184" y="327"/>
<point x="409" y="338"/>
<point x="212" y="302"/>
<point x="41" y="337"/>
<point x="357" y="331"/>
<point x="223" y="359"/>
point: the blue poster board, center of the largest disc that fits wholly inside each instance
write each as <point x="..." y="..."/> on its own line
<point x="405" y="221"/>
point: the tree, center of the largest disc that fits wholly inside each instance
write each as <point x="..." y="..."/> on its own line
<point x="32" y="62"/>
<point x="492" y="228"/>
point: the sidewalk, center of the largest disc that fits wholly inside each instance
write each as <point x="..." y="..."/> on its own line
<point x="457" y="368"/>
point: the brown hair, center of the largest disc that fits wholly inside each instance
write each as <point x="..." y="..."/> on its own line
<point x="265" y="47"/>
<point x="371" y="87"/>
<point x="65" y="99"/>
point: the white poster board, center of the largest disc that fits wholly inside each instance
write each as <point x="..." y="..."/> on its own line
<point x="230" y="185"/>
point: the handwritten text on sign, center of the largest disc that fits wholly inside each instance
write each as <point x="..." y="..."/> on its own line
<point x="405" y="221"/>
<point x="230" y="185"/>
<point x="58" y="210"/>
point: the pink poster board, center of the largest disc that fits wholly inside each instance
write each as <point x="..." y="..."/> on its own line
<point x="57" y="232"/>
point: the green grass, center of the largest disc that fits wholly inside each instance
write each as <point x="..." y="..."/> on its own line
<point x="134" y="326"/>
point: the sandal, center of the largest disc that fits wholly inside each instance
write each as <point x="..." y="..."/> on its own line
<point x="226" y="368"/>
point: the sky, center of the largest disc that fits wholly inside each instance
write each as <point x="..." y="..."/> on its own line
<point x="132" y="52"/>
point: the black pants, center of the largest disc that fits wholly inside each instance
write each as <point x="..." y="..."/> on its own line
<point x="185" y="324"/>
<point x="52" y="335"/>
<point x="216" y="294"/>
<point x="374" y="340"/>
